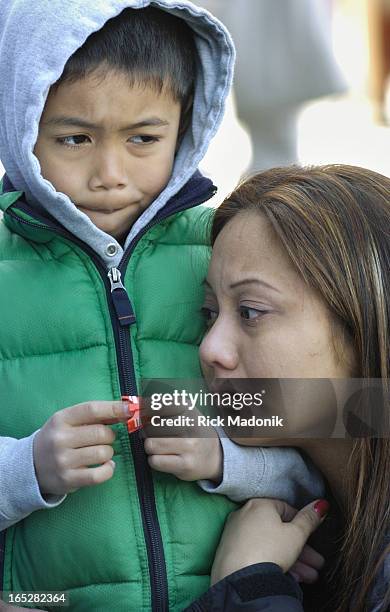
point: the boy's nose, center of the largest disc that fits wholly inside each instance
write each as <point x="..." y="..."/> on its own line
<point x="219" y="351"/>
<point x="108" y="172"/>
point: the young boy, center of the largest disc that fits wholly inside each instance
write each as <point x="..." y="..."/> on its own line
<point x="101" y="141"/>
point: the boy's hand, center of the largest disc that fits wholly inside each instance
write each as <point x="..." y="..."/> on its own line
<point x="186" y="458"/>
<point x="73" y="439"/>
<point x="189" y="453"/>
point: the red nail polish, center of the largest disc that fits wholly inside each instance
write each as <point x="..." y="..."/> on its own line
<point x="321" y="507"/>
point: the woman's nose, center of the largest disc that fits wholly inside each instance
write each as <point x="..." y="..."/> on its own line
<point x="219" y="350"/>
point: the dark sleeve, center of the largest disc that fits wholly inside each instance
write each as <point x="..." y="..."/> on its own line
<point x="256" y="588"/>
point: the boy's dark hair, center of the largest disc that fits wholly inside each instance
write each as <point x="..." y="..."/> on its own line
<point x="150" y="45"/>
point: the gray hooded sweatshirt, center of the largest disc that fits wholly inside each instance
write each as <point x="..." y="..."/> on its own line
<point x="36" y="40"/>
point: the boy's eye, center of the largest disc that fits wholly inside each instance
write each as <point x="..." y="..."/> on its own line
<point x="143" y="139"/>
<point x="250" y="314"/>
<point x="73" y="141"/>
<point x="210" y="315"/>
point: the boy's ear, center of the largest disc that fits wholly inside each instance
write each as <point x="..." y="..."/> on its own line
<point x="185" y="120"/>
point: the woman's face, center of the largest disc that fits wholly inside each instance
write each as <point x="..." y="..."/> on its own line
<point x="264" y="320"/>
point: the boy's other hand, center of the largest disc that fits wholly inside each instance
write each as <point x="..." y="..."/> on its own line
<point x="73" y="439"/>
<point x="189" y="453"/>
<point x="186" y="458"/>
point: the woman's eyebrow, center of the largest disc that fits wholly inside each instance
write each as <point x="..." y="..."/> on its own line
<point x="253" y="281"/>
<point x="245" y="281"/>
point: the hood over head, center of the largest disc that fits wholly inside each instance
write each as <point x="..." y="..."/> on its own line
<point x="36" y="40"/>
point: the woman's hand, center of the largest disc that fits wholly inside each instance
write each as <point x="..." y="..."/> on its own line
<point x="269" y="530"/>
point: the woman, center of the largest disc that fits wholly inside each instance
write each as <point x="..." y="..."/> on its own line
<point x="299" y="287"/>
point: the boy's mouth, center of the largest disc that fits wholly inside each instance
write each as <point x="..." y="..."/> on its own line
<point x="104" y="211"/>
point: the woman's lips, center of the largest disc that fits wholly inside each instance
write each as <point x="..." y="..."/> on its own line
<point x="224" y="385"/>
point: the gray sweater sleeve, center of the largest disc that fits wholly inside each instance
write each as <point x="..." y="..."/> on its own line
<point x="19" y="489"/>
<point x="278" y="472"/>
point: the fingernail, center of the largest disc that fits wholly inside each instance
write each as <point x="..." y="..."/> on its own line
<point x="127" y="412"/>
<point x="295" y="576"/>
<point x="321" y="507"/>
<point x="129" y="404"/>
<point x="113" y="464"/>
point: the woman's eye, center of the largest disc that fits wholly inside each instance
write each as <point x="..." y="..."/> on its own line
<point x="250" y="314"/>
<point x="73" y="141"/>
<point x="143" y="139"/>
<point x="210" y="315"/>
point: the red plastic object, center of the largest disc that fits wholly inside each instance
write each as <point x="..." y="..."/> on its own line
<point x="134" y="422"/>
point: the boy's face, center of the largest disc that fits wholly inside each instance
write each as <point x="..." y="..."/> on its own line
<point x="109" y="146"/>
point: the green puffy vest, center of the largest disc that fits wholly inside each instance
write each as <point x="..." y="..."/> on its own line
<point x="142" y="538"/>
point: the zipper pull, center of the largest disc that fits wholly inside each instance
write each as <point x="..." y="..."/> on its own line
<point x="120" y="298"/>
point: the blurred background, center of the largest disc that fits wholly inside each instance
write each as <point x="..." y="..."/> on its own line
<point x="312" y="86"/>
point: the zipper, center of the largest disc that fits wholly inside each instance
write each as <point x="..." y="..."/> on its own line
<point x="144" y="479"/>
<point x="122" y="316"/>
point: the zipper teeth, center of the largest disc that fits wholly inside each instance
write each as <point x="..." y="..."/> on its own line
<point x="152" y="533"/>
<point x="159" y="582"/>
<point x="129" y="383"/>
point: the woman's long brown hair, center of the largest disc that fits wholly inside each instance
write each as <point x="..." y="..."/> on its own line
<point x="334" y="222"/>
